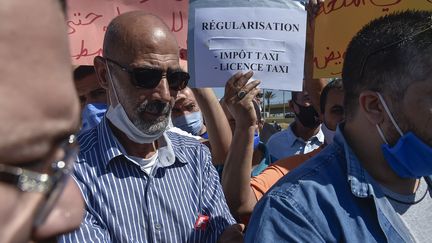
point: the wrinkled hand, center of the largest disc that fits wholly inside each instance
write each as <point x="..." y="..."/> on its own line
<point x="241" y="109"/>
<point x="232" y="234"/>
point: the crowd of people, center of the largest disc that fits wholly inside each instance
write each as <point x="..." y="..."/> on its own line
<point x="125" y="151"/>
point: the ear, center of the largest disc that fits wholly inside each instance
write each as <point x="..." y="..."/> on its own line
<point x="371" y="107"/>
<point x="101" y="71"/>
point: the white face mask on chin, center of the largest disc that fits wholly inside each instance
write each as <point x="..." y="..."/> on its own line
<point x="120" y="119"/>
<point x="328" y="134"/>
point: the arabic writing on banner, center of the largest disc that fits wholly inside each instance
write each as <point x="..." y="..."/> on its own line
<point x="339" y="20"/>
<point x="268" y="41"/>
<point x="88" y="20"/>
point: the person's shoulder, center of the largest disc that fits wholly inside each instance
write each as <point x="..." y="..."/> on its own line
<point x="184" y="133"/>
<point x="289" y="163"/>
<point x="278" y="135"/>
<point x="313" y="176"/>
<point x="188" y="149"/>
<point x="178" y="139"/>
<point x="88" y="140"/>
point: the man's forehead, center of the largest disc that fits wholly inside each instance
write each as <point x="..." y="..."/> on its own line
<point x="334" y="95"/>
<point x="172" y="59"/>
<point x="140" y="35"/>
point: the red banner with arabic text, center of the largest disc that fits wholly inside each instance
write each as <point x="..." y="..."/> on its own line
<point x="88" y="19"/>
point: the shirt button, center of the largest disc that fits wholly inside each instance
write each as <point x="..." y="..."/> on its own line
<point x="158" y="227"/>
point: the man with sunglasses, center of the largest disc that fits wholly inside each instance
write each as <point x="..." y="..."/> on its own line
<point x="38" y="198"/>
<point x="373" y="183"/>
<point x="141" y="182"/>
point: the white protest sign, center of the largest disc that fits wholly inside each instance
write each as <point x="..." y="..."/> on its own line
<point x="269" y="41"/>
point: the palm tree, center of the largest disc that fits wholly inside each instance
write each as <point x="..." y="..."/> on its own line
<point x="268" y="95"/>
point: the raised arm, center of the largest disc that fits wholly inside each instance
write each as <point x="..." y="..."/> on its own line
<point x="238" y="165"/>
<point x="311" y="85"/>
<point x="218" y="129"/>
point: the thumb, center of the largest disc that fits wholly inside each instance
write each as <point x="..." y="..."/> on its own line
<point x="239" y="227"/>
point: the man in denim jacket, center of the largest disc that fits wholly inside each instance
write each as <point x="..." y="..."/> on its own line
<point x="373" y="183"/>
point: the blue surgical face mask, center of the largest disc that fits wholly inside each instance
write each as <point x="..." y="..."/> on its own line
<point x="256" y="140"/>
<point x="191" y="123"/>
<point x="92" y="114"/>
<point x="410" y="157"/>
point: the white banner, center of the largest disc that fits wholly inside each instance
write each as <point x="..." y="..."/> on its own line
<point x="269" y="41"/>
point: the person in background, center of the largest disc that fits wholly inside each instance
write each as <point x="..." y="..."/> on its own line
<point x="242" y="194"/>
<point x="197" y="112"/>
<point x="39" y="199"/>
<point x="92" y="96"/>
<point x="303" y="135"/>
<point x="88" y="87"/>
<point x="373" y="183"/>
<point x="332" y="109"/>
<point x="186" y="114"/>
<point x="140" y="181"/>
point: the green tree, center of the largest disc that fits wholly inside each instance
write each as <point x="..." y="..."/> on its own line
<point x="269" y="95"/>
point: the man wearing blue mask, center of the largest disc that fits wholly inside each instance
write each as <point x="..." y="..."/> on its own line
<point x="186" y="114"/>
<point x="141" y="182"/>
<point x="373" y="183"/>
<point x="93" y="97"/>
<point x="87" y="85"/>
<point x="190" y="110"/>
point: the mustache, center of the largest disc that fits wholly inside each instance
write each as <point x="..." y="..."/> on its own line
<point x="156" y="107"/>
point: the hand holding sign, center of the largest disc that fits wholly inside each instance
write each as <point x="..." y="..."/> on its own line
<point x="241" y="108"/>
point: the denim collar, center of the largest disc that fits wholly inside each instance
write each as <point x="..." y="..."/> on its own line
<point x="358" y="178"/>
<point x="111" y="148"/>
<point x="363" y="185"/>
<point x="361" y="182"/>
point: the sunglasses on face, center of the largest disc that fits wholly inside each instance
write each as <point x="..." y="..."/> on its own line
<point x="149" y="78"/>
<point x="51" y="185"/>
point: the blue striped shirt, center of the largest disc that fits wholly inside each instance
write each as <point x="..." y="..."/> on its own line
<point x="124" y="204"/>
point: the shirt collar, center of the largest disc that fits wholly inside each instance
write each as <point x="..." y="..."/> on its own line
<point x="110" y="147"/>
<point x="317" y="137"/>
<point x="358" y="178"/>
<point x="292" y="135"/>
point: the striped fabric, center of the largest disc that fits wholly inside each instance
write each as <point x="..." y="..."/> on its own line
<point x="124" y="204"/>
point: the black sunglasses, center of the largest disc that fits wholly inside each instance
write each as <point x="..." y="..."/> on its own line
<point x="390" y="45"/>
<point x="149" y="78"/>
